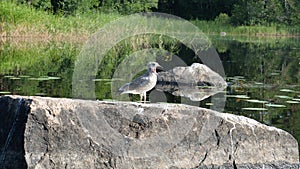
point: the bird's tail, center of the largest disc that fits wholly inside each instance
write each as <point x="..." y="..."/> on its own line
<point x="124" y="88"/>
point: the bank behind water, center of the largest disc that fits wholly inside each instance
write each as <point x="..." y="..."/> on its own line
<point x="25" y="21"/>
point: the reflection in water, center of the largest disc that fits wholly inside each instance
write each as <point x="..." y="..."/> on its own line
<point x="194" y="93"/>
<point x="263" y="78"/>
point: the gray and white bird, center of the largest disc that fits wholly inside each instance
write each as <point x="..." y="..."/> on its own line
<point x="142" y="84"/>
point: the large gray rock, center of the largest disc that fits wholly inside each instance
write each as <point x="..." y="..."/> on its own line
<point x="39" y="132"/>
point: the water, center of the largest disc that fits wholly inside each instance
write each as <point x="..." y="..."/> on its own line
<point x="263" y="76"/>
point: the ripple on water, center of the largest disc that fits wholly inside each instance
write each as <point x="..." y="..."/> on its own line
<point x="275" y="105"/>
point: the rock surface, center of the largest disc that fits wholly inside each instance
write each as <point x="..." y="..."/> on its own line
<point x="39" y="132"/>
<point x="196" y="82"/>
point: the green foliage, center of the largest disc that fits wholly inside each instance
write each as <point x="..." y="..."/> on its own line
<point x="248" y="12"/>
<point x="239" y="14"/>
<point x="260" y="57"/>
<point x="223" y="18"/>
<point x="36" y="61"/>
<point x="196" y="9"/>
<point x="135" y="6"/>
<point x="10" y="12"/>
<point x="134" y="44"/>
<point x="64" y="7"/>
<point x="43" y="4"/>
<point x="34" y="21"/>
<point x="71" y="7"/>
<point x="242" y="12"/>
<point x="257" y="12"/>
<point x="292" y="10"/>
<point x="43" y="58"/>
<point x="214" y="27"/>
<point x="14" y="16"/>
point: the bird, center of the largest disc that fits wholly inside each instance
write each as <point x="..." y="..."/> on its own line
<point x="142" y="84"/>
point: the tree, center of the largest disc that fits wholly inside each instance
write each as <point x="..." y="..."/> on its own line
<point x="70" y="7"/>
<point x="274" y="11"/>
<point x="253" y="12"/>
<point x="128" y="6"/>
<point x="191" y="9"/>
<point x="239" y="13"/>
<point x="292" y="8"/>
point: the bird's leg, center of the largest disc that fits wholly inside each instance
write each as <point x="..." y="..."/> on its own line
<point x="145" y="96"/>
<point x="141" y="98"/>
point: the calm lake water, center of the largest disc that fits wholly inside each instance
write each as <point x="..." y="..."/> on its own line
<point x="263" y="76"/>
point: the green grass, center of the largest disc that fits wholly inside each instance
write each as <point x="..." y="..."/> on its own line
<point x="23" y="20"/>
<point x="212" y="27"/>
<point x="15" y="17"/>
<point x="42" y="57"/>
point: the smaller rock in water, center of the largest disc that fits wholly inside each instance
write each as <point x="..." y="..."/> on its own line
<point x="196" y="82"/>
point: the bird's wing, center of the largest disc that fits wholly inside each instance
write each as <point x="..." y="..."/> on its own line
<point x="137" y="86"/>
<point x="139" y="83"/>
<point x="124" y="88"/>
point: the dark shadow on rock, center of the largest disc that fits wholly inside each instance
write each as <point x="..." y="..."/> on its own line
<point x="13" y="113"/>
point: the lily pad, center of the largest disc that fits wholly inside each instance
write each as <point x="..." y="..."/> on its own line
<point x="9" y="76"/>
<point x="40" y="94"/>
<point x="283" y="97"/>
<point x="239" y="77"/>
<point x="275" y="74"/>
<point x="14" y="78"/>
<point x="39" y="78"/>
<point x="54" y="78"/>
<point x="258" y="83"/>
<point x="5" y="92"/>
<point x="242" y="96"/>
<point x="275" y="105"/>
<point x="292" y="102"/>
<point x="116" y="79"/>
<point x="287" y="90"/>
<point x="239" y="96"/>
<point x="101" y="80"/>
<point x="257" y="101"/>
<point x="24" y="76"/>
<point x="255" y="109"/>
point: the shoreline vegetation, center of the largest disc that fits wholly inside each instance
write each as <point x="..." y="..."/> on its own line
<point x="19" y="22"/>
<point x="33" y="36"/>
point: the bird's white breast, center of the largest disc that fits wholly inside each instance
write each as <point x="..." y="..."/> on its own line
<point x="153" y="80"/>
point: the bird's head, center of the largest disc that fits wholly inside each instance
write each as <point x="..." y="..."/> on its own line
<point x="152" y="66"/>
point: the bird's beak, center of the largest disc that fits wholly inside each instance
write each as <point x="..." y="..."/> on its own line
<point x="159" y="66"/>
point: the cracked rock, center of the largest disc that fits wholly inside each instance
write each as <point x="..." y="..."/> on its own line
<point x="40" y="132"/>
